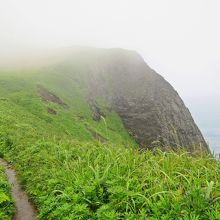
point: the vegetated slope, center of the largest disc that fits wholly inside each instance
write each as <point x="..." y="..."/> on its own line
<point x="77" y="161"/>
<point x="90" y="85"/>
<point x="68" y="179"/>
<point x="58" y="101"/>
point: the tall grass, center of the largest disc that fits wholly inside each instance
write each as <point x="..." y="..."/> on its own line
<point x="6" y="203"/>
<point x="71" y="180"/>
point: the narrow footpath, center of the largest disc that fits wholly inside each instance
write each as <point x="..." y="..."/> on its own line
<point x="24" y="208"/>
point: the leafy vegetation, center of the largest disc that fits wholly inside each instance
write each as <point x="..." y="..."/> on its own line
<point x="6" y="203"/>
<point x="70" y="175"/>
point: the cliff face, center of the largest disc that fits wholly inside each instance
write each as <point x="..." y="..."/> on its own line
<point x="150" y="108"/>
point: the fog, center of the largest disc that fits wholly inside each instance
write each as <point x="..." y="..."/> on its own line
<point x="177" y="38"/>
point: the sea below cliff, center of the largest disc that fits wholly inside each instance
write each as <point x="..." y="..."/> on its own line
<point x="206" y="114"/>
<point x="214" y="143"/>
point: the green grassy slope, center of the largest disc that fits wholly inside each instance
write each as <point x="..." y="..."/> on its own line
<point x="20" y="89"/>
<point x="70" y="175"/>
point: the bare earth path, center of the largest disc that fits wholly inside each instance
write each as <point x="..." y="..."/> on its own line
<point x="24" y="208"/>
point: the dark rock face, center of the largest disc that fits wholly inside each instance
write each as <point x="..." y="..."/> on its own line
<point x="150" y="108"/>
<point x="97" y="114"/>
<point x="51" y="111"/>
<point x="155" y="112"/>
<point x="48" y="96"/>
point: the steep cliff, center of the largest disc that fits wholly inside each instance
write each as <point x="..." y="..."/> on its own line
<point x="150" y="108"/>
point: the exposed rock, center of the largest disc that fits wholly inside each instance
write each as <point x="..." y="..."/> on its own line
<point x="51" y="111"/>
<point x="48" y="96"/>
<point x="97" y="114"/>
<point x="148" y="105"/>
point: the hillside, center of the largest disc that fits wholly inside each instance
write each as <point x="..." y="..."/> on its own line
<point x="67" y="179"/>
<point x="48" y="96"/>
<point x="73" y="132"/>
<point x="87" y="88"/>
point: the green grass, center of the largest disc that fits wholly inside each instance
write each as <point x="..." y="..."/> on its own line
<point x="6" y="203"/>
<point x="71" y="180"/>
<point x="20" y="91"/>
<point x="69" y="175"/>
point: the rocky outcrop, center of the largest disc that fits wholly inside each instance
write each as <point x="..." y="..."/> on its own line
<point x="150" y="108"/>
<point x="48" y="96"/>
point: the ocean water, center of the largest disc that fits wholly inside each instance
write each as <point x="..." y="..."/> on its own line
<point x="214" y="144"/>
<point x="211" y="133"/>
<point x="206" y="114"/>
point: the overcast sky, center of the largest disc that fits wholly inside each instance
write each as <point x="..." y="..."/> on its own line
<point x="180" y="39"/>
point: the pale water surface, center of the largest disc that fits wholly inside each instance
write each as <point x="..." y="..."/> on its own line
<point x="207" y="117"/>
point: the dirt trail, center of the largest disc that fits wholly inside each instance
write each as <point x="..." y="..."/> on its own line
<point x="24" y="209"/>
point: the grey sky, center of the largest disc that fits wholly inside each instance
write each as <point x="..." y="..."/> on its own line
<point x="177" y="38"/>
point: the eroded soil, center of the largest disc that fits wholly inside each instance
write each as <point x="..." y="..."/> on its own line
<point x="48" y="96"/>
